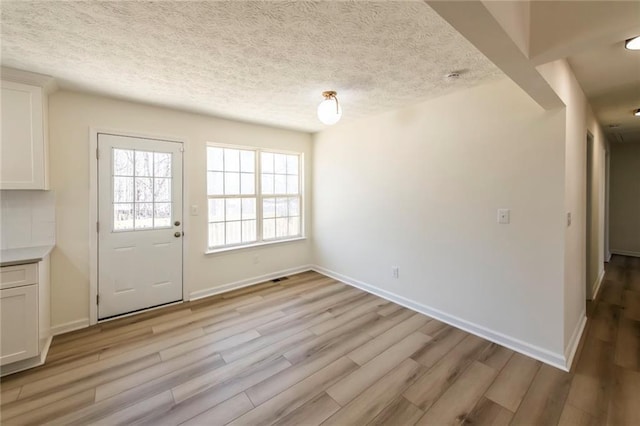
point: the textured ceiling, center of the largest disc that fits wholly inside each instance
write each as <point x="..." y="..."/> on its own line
<point x="610" y="77"/>
<point x="264" y="62"/>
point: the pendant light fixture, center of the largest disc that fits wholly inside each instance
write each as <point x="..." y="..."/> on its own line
<point x="633" y="43"/>
<point x="329" y="110"/>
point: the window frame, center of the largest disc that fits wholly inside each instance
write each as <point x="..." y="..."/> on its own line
<point x="259" y="197"/>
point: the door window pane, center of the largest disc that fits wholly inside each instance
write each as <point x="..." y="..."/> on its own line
<point x="123" y="217"/>
<point x="144" y="163"/>
<point x="161" y="190"/>
<point x="122" y="162"/>
<point x="122" y="189"/>
<point x="140" y="200"/>
<point x="162" y="215"/>
<point x="143" y="190"/>
<point x="162" y="164"/>
<point x="143" y="215"/>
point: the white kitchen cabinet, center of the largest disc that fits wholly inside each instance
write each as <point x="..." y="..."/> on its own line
<point x="19" y="316"/>
<point x="24" y="143"/>
<point x="24" y="315"/>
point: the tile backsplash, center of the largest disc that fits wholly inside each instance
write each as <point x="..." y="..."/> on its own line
<point x="27" y="218"/>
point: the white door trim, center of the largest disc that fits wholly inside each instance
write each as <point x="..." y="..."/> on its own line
<point x="93" y="209"/>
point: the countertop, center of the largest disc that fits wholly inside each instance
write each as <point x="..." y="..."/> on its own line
<point x="20" y="256"/>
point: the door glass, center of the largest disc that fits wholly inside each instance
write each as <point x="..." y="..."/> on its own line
<point x="141" y="182"/>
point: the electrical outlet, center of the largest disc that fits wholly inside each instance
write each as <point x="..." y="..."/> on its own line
<point x="504" y="216"/>
<point x="194" y="210"/>
<point x="395" y="271"/>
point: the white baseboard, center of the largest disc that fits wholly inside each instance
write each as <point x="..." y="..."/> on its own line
<point x="246" y="282"/>
<point x="557" y="360"/>
<point x="595" y="288"/>
<point x="69" y="326"/>
<point x="574" y="341"/>
<point x="626" y="253"/>
<point x="608" y="257"/>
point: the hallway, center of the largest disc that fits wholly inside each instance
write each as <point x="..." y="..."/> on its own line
<point x="606" y="385"/>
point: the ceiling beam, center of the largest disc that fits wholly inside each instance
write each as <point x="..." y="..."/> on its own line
<point x="478" y="25"/>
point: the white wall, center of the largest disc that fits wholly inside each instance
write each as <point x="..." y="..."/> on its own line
<point x="580" y="119"/>
<point x="28" y="218"/>
<point x="72" y="114"/>
<point x="625" y="199"/>
<point x="419" y="188"/>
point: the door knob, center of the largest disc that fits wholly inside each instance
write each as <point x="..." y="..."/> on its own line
<point x="177" y="234"/>
<point x="177" y="223"/>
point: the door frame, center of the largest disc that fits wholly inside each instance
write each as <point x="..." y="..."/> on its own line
<point x="93" y="214"/>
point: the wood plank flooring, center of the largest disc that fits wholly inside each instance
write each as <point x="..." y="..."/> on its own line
<point x="309" y="350"/>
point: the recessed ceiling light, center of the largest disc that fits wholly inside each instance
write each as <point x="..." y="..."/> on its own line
<point x="633" y="43"/>
<point x="637" y="112"/>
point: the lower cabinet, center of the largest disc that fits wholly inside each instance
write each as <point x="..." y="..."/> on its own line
<point x="20" y="300"/>
<point x="19" y="318"/>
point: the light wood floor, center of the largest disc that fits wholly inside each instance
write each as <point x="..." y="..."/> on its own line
<point x="309" y="350"/>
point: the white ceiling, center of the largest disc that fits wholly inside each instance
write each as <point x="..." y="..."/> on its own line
<point x="264" y="62"/>
<point x="610" y="77"/>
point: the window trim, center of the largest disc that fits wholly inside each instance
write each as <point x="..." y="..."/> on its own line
<point x="259" y="198"/>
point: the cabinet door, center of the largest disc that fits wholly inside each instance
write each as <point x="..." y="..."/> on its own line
<point x="18" y="323"/>
<point x="22" y="150"/>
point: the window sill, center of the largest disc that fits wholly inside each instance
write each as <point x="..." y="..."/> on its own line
<point x="250" y="246"/>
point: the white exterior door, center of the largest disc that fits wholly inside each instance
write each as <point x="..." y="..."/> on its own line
<point x="140" y="224"/>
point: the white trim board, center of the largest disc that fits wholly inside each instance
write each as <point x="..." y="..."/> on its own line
<point x="557" y="360"/>
<point x="574" y="341"/>
<point x="247" y="282"/>
<point x="69" y="326"/>
<point x="626" y="253"/>
<point x="595" y="289"/>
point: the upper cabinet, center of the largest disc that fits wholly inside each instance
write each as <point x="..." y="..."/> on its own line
<point x="24" y="143"/>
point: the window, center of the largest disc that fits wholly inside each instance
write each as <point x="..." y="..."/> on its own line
<point x="254" y="196"/>
<point x="141" y="190"/>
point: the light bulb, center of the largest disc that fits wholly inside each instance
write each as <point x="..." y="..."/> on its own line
<point x="329" y="110"/>
<point x="633" y="43"/>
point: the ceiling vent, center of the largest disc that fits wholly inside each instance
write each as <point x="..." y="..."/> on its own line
<point x="618" y="137"/>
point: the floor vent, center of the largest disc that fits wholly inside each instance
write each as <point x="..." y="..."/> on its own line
<point x="277" y="280"/>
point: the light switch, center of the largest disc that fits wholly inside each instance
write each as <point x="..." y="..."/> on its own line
<point x="194" y="210"/>
<point x="504" y="216"/>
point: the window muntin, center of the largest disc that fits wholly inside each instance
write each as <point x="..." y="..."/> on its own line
<point x="141" y="182"/>
<point x="254" y="196"/>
